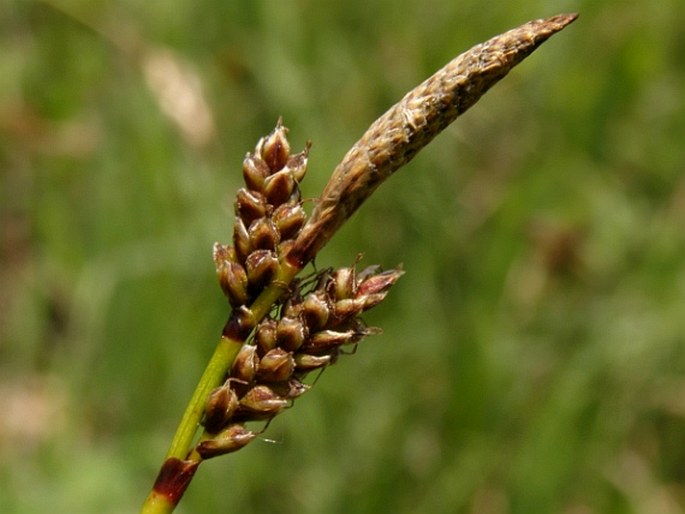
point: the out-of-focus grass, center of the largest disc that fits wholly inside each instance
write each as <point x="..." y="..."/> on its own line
<point x="533" y="358"/>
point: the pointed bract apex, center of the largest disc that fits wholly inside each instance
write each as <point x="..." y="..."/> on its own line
<point x="297" y="164"/>
<point x="221" y="405"/>
<point x="245" y="365"/>
<point x="261" y="402"/>
<point x="274" y="149"/>
<point x="228" y="440"/>
<point x="276" y="366"/>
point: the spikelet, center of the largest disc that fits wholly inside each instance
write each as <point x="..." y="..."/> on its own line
<point x="307" y="333"/>
<point x="315" y="318"/>
<point x="269" y="215"/>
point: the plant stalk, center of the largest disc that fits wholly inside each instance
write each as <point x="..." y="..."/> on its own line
<point x="181" y="462"/>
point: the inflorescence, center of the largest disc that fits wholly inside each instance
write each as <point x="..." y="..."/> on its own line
<point x="313" y="320"/>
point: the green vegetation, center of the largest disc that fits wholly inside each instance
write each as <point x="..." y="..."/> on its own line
<point x="533" y="355"/>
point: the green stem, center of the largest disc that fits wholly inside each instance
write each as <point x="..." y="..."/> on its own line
<point x="223" y="357"/>
<point x="157" y="504"/>
<point x="181" y="462"/>
<point x="279" y="285"/>
<point x="221" y="361"/>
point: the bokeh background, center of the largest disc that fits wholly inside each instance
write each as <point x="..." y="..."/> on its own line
<point x="533" y="356"/>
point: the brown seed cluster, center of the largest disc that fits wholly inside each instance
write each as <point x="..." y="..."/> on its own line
<point x="269" y="215"/>
<point x="305" y="334"/>
<point x="313" y="320"/>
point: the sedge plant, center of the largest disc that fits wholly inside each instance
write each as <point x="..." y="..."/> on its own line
<point x="283" y="326"/>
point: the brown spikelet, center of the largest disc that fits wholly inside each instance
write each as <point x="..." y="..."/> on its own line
<point x="316" y="319"/>
<point x="269" y="215"/>
<point x="395" y="138"/>
<point x="232" y="438"/>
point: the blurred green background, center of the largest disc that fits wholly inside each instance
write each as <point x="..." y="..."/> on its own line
<point x="533" y="356"/>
